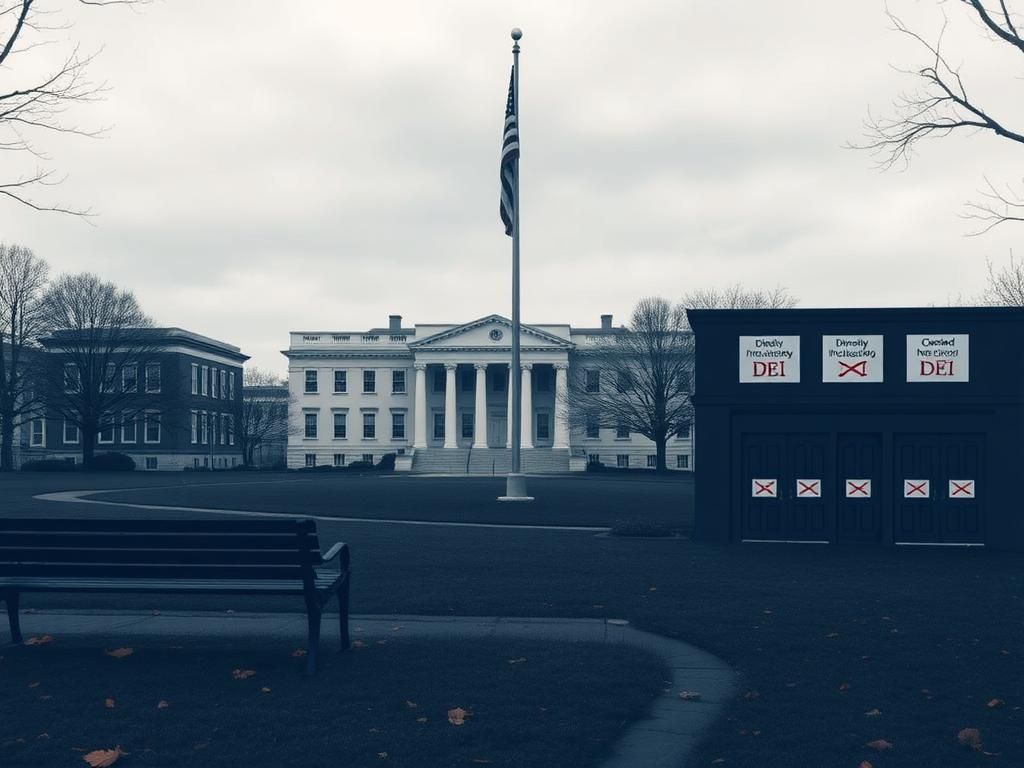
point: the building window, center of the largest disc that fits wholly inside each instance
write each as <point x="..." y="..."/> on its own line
<point x="151" y="462"/>
<point x="37" y="434"/>
<point x="369" y="425"/>
<point x="467" y="425"/>
<point x="398" y="382"/>
<point x="231" y="386"/>
<point x="204" y="435"/>
<point x="683" y="461"/>
<point x="622" y="460"/>
<point x="152" y="378"/>
<point x="213" y="383"/>
<point x="623" y="382"/>
<point x="151" y="427"/>
<point x="498" y="380"/>
<point x="684" y="432"/>
<point x="195" y="426"/>
<point x="106" y="433"/>
<point x="341" y="381"/>
<point x="108" y="384"/>
<point x="440" y="379"/>
<point x="339" y="459"/>
<point x="340" y="431"/>
<point x="310" y="459"/>
<point x="195" y="380"/>
<point x="72" y="378"/>
<point x="223" y="384"/>
<point x="368" y="458"/>
<point x="130" y="378"/>
<point x="621" y="431"/>
<point x="71" y="435"/>
<point x="231" y="429"/>
<point x="310" y="425"/>
<point x="652" y="461"/>
<point x="311" y="384"/>
<point x="439" y="426"/>
<point x="223" y="429"/>
<point x="129" y="428"/>
<point x="369" y="381"/>
<point x="593" y="458"/>
<point x="398" y="425"/>
<point x="593" y="426"/>
<point x="593" y="380"/>
<point x="205" y="380"/>
<point x="543" y="426"/>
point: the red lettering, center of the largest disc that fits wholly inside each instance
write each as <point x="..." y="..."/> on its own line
<point x="773" y="369"/>
<point x="937" y="368"/>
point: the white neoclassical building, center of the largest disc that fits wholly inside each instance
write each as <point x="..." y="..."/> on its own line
<point x="438" y="396"/>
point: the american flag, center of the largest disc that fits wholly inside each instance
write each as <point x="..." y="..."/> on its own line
<point x="509" y="157"/>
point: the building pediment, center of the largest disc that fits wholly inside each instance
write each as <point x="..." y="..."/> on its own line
<point x="491" y="332"/>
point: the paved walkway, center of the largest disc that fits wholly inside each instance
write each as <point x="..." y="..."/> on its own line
<point x="663" y="740"/>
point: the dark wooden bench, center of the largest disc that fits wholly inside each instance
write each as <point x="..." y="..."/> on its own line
<point x="234" y="557"/>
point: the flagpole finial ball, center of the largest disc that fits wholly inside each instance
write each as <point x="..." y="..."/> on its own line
<point x="517" y="33"/>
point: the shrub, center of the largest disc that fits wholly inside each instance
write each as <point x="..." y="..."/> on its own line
<point x="49" y="465"/>
<point x="112" y="462"/>
<point x="361" y="465"/>
<point x="595" y="466"/>
<point x="387" y="463"/>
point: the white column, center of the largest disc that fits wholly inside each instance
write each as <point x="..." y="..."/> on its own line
<point x="480" y="408"/>
<point x="508" y="413"/>
<point x="527" y="422"/>
<point x="420" y="429"/>
<point x="450" y="436"/>
<point x="561" y="406"/>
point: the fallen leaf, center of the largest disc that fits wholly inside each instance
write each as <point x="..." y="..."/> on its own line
<point x="421" y="720"/>
<point x="358" y="644"/>
<point x="689" y="696"/>
<point x="844" y="686"/>
<point x="718" y="761"/>
<point x="481" y="761"/>
<point x="33" y="685"/>
<point x="873" y="713"/>
<point x="993" y="703"/>
<point x="865" y="764"/>
<point x="264" y="689"/>
<point x="298" y="653"/>
<point x="120" y="653"/>
<point x="520" y="660"/>
<point x="652" y="589"/>
<point x="382" y="642"/>
<point x="108" y="703"/>
<point x="880" y="744"/>
<point x="41" y="640"/>
<point x="382" y="755"/>
<point x="200" y="745"/>
<point x="832" y="635"/>
<point x="970" y="737"/>
<point x="46" y="697"/>
<point x="751" y="695"/>
<point x="457" y="716"/>
<point x="242" y="674"/>
<point x="162" y="704"/>
<point x="101" y="758"/>
<point x="411" y="704"/>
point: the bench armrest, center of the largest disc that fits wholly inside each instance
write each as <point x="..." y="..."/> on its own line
<point x="339" y="550"/>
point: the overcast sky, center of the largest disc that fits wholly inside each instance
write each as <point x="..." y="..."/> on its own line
<point x="270" y="170"/>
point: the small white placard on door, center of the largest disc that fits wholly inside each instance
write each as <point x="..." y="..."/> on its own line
<point x="764" y="488"/>
<point x="916" y="489"/>
<point x="961" y="489"/>
<point x="808" y="489"/>
<point x="858" y="489"/>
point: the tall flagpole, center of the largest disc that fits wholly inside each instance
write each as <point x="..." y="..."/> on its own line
<point x="515" y="487"/>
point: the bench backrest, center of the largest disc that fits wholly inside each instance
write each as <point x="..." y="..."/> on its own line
<point x="159" y="549"/>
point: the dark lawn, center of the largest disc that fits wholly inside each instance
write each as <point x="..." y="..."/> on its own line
<point x="563" y="705"/>
<point x="799" y="622"/>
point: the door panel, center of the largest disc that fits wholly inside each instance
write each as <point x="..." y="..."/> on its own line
<point x="806" y="516"/>
<point x="859" y="457"/>
<point x="784" y="459"/>
<point x="761" y="518"/>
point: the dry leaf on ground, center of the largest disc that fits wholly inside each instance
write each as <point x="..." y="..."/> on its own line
<point x="873" y="713"/>
<point x="751" y="695"/>
<point x="298" y="653"/>
<point x="880" y="744"/>
<point x="970" y="737"/>
<point x="40" y="640"/>
<point x="689" y="696"/>
<point x="519" y="660"/>
<point x="993" y="703"/>
<point x="421" y="720"/>
<point x="458" y="716"/>
<point x="844" y="686"/>
<point x="120" y="653"/>
<point x="108" y="703"/>
<point x="358" y="644"/>
<point x="865" y="764"/>
<point x="242" y="674"/>
<point x="411" y="704"/>
<point x="162" y="704"/>
<point x="33" y="685"/>
<point x="101" y="758"/>
<point x="264" y="689"/>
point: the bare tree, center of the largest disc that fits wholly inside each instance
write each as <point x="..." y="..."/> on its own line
<point x="262" y="416"/>
<point x="1005" y="286"/>
<point x="638" y="379"/>
<point x="942" y="104"/>
<point x="736" y="296"/>
<point x="23" y="278"/>
<point x="97" y="357"/>
<point x="37" y="104"/>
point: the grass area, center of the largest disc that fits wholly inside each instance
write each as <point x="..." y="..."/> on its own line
<point x="380" y="705"/>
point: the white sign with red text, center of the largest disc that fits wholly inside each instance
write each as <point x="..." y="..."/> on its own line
<point x="769" y="359"/>
<point x="938" y="357"/>
<point x="851" y="359"/>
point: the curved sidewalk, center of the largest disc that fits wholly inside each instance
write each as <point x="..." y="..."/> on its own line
<point x="663" y="740"/>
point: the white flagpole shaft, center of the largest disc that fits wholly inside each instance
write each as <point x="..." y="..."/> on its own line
<point x="515" y="376"/>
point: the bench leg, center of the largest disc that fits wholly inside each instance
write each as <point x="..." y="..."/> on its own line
<point x="13" y="599"/>
<point x="343" y="614"/>
<point x="313" y="613"/>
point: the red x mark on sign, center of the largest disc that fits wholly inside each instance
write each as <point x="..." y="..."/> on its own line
<point x="961" y="488"/>
<point x="808" y="488"/>
<point x="764" y="488"/>
<point x="853" y="488"/>
<point x="915" y="488"/>
<point x="861" y="368"/>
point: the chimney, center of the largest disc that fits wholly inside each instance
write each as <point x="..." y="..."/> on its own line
<point x="394" y="322"/>
<point x="606" y="322"/>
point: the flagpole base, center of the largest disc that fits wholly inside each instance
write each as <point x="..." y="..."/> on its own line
<point x="515" y="488"/>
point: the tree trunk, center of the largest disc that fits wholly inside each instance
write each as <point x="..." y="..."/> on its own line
<point x="660" y="445"/>
<point x="88" y="446"/>
<point x="6" y="443"/>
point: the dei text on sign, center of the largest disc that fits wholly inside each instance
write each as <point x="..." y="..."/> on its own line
<point x="938" y="357"/>
<point x="769" y="359"/>
<point x="851" y="359"/>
